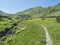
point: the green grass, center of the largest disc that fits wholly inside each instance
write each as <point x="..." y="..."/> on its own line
<point x="53" y="28"/>
<point x="32" y="35"/>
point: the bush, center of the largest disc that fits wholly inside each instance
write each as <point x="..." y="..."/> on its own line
<point x="43" y="18"/>
<point x="58" y="19"/>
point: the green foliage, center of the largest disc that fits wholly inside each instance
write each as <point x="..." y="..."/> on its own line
<point x="31" y="35"/>
<point x="58" y="19"/>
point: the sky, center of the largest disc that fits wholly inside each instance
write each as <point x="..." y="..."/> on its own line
<point x="14" y="6"/>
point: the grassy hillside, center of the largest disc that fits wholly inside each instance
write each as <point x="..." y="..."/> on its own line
<point x="53" y="28"/>
<point x="24" y="28"/>
<point x="40" y="11"/>
<point x="30" y="32"/>
<point x="31" y="35"/>
<point x="34" y="12"/>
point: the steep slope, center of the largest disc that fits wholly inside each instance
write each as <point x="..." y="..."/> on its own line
<point x="2" y="13"/>
<point x="33" y="12"/>
<point x="53" y="11"/>
<point x="40" y="11"/>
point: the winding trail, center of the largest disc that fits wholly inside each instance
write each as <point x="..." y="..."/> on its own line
<point x="48" y="40"/>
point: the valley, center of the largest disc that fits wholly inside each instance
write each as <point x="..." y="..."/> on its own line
<point x="34" y="26"/>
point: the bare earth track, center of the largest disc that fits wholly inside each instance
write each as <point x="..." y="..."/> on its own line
<point x="48" y="40"/>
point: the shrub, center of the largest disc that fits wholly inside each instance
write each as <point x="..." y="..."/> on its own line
<point x="58" y="19"/>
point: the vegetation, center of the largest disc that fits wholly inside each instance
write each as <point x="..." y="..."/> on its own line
<point x="53" y="29"/>
<point x="58" y="18"/>
<point x="24" y="28"/>
<point x="29" y="36"/>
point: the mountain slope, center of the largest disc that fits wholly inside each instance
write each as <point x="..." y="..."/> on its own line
<point x="34" y="12"/>
<point x="2" y="13"/>
<point x="40" y="11"/>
